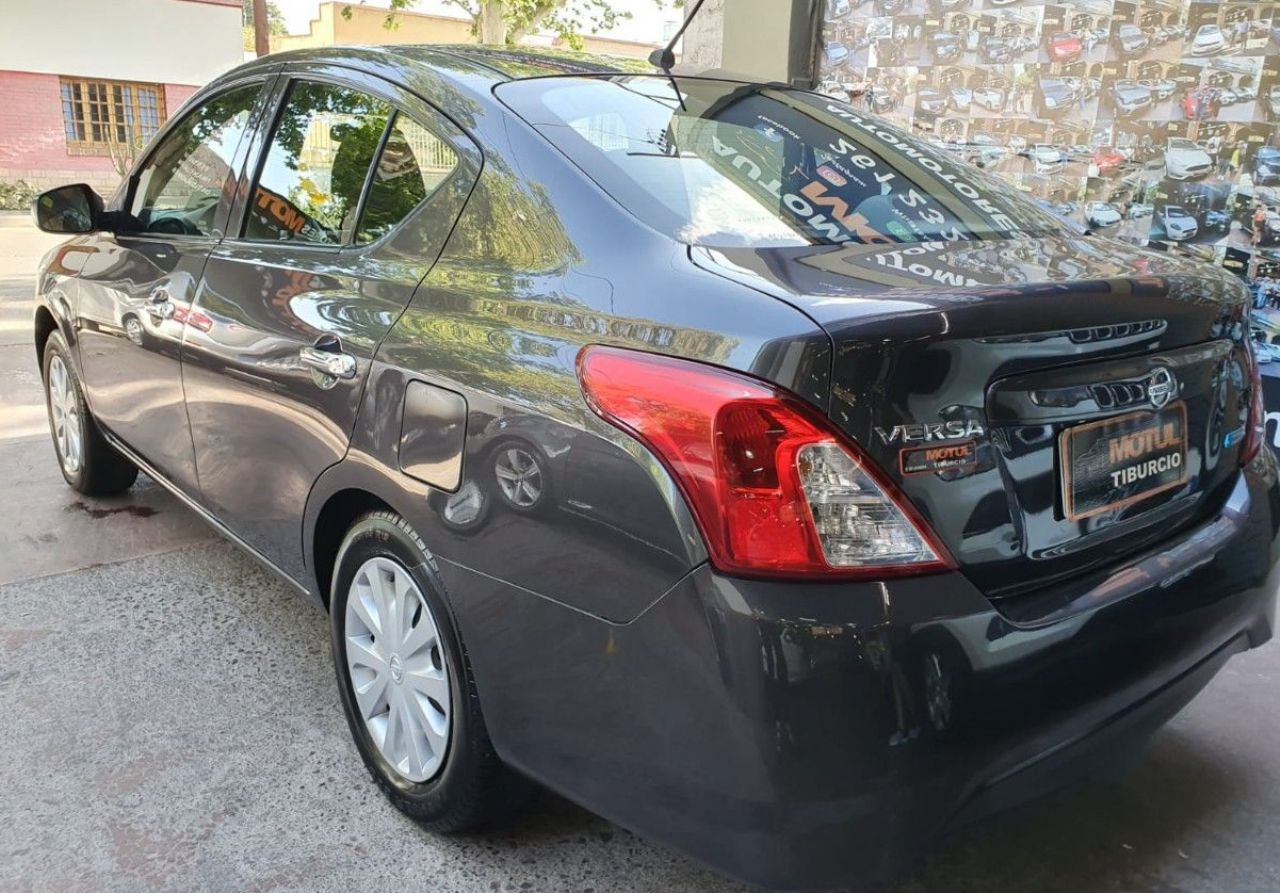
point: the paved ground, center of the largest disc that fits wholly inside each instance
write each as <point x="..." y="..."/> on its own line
<point x="168" y="721"/>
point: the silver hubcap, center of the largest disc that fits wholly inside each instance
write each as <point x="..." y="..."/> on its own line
<point x="519" y="476"/>
<point x="464" y="507"/>
<point x="397" y="668"/>
<point x="64" y="410"/>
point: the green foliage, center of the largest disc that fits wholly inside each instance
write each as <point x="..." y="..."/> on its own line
<point x="570" y="19"/>
<point x="275" y="18"/>
<point x="16" y="195"/>
<point x="275" y="22"/>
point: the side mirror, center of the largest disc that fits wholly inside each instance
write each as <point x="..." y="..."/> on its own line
<point x="68" y="210"/>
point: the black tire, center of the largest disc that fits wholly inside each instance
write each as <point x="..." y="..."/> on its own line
<point x="473" y="789"/>
<point x="103" y="471"/>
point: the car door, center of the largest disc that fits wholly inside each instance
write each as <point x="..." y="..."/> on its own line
<point x="138" y="283"/>
<point x="295" y="302"/>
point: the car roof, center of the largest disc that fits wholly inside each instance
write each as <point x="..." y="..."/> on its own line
<point x="458" y="78"/>
<point x="454" y="63"/>
<point x="517" y="63"/>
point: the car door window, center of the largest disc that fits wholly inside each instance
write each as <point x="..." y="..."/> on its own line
<point x="181" y="185"/>
<point x="413" y="164"/>
<point x="323" y="146"/>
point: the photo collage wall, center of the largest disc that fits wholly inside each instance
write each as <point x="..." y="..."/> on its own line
<point x="1153" y="122"/>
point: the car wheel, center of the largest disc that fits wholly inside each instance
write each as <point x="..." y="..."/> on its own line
<point x="406" y="683"/>
<point x="464" y="511"/>
<point x="521" y="476"/>
<point x="88" y="463"/>
<point x="134" y="331"/>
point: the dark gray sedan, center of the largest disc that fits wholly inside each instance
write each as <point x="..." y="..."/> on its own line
<point x="712" y="453"/>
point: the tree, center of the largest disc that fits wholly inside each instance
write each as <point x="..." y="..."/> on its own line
<point x="275" y="21"/>
<point x="507" y="21"/>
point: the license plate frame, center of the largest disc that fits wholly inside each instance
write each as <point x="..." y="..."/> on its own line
<point x="1087" y="448"/>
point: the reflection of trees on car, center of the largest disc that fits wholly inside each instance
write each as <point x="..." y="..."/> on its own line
<point x="181" y="185"/>
<point x="324" y="143"/>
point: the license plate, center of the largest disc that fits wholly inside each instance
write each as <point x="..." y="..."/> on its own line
<point x="1117" y="462"/>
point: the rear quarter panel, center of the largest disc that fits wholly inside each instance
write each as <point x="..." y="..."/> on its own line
<point x="540" y="265"/>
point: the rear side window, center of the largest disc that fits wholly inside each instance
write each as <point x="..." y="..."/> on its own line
<point x="323" y="146"/>
<point x="181" y="184"/>
<point x="727" y="164"/>
<point x="413" y="164"/>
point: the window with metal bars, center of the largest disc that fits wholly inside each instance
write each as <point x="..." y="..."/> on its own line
<point x="101" y="116"/>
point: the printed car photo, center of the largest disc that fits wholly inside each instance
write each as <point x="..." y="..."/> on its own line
<point x="834" y="54"/>
<point x="997" y="50"/>
<point x="1201" y="103"/>
<point x="1065" y="46"/>
<point x="714" y="454"/>
<point x="945" y="46"/>
<point x="983" y="150"/>
<point x="1269" y="225"/>
<point x="932" y="102"/>
<point x="990" y="98"/>
<point x="1047" y="158"/>
<point x="1130" y="41"/>
<point x="1209" y="41"/>
<point x="1178" y="223"/>
<point x="1184" y="159"/>
<point x="1215" y="220"/>
<point x="1266" y="166"/>
<point x="1101" y="215"/>
<point x="1161" y="88"/>
<point x="959" y="98"/>
<point x="1273" y="102"/>
<point x="1109" y="159"/>
<point x="1056" y="96"/>
<point x="1131" y="98"/>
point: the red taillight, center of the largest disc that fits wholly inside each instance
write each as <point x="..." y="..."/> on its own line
<point x="775" y="489"/>
<point x="1255" y="430"/>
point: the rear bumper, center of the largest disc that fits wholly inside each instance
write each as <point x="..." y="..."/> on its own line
<point x="802" y="736"/>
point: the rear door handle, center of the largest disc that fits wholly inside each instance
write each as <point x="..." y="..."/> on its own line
<point x="327" y="357"/>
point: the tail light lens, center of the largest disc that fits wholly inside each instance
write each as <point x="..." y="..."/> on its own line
<point x="1256" y="425"/>
<point x="776" y="490"/>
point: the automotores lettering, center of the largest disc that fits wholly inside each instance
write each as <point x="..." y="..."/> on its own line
<point x="844" y="191"/>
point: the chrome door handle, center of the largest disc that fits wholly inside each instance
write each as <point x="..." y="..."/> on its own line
<point x="329" y="362"/>
<point x="160" y="303"/>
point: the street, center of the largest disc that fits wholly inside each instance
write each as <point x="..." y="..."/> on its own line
<point x="171" y="722"/>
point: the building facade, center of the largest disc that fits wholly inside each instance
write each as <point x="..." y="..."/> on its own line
<point x="85" y="83"/>
<point x="347" y="23"/>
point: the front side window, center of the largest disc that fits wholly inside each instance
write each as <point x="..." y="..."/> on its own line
<point x="324" y="143"/>
<point x="180" y="186"/>
<point x="725" y="164"/>
<point x="114" y="118"/>
<point x="413" y="164"/>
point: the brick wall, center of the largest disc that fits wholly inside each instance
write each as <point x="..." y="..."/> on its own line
<point x="33" y="145"/>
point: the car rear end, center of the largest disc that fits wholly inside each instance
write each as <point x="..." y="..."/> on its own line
<point x="1028" y="519"/>
<point x="992" y="567"/>
<point x="1065" y="47"/>
<point x="1266" y="165"/>
<point x="1106" y="557"/>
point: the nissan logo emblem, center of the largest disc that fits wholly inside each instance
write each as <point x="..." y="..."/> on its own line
<point x="1161" y="387"/>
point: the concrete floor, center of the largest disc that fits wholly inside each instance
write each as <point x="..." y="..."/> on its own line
<point x="169" y="721"/>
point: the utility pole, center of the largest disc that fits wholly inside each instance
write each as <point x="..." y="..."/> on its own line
<point x="261" y="30"/>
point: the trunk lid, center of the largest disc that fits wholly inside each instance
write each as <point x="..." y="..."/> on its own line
<point x="1003" y="385"/>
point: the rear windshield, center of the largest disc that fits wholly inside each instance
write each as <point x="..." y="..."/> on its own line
<point x="726" y="164"/>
